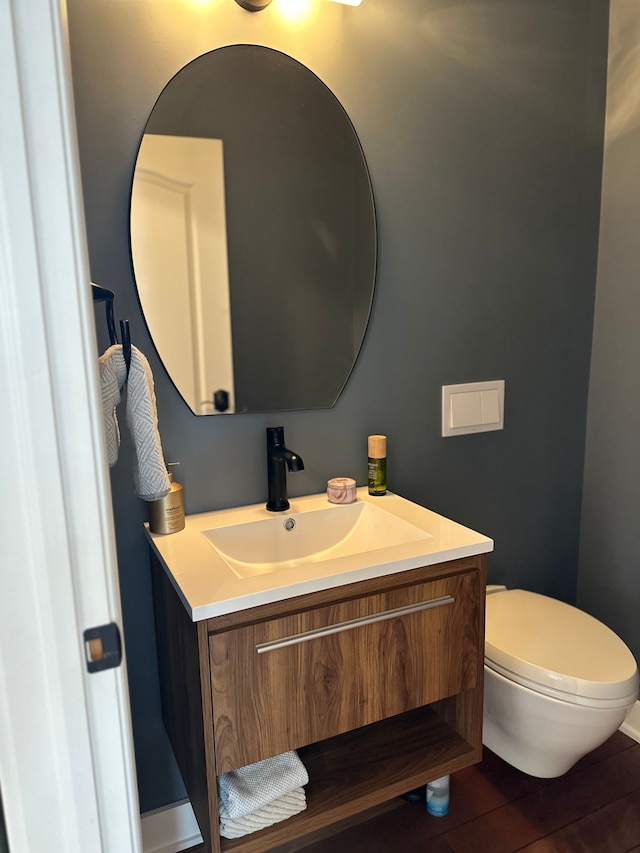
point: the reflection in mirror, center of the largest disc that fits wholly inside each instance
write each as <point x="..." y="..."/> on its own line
<point x="253" y="234"/>
<point x="179" y="233"/>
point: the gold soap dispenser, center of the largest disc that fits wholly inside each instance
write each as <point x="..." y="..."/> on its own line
<point x="166" y="515"/>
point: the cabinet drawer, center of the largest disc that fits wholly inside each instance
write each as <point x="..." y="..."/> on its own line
<point x="287" y="682"/>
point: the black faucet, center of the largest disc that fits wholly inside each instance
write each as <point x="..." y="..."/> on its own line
<point x="277" y="456"/>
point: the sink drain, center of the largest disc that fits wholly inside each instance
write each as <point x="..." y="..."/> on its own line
<point x="289" y="524"/>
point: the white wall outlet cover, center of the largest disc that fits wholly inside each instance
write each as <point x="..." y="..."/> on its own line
<point x="472" y="407"/>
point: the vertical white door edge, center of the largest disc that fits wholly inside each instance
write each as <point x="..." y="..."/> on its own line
<point x="67" y="773"/>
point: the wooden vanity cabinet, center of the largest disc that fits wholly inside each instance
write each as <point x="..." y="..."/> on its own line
<point x="377" y="684"/>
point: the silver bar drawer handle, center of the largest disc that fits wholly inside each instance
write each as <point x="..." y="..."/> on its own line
<point x="305" y="636"/>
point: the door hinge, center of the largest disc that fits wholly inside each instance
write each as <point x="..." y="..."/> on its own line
<point x="103" y="648"/>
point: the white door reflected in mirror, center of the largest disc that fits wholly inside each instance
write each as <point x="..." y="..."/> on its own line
<point x="179" y="248"/>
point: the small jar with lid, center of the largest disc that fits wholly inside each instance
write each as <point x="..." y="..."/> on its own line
<point x="341" y="490"/>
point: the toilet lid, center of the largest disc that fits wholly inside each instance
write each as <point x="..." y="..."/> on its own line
<point x="556" y="645"/>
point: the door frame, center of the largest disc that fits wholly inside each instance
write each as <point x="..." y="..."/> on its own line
<point x="67" y="772"/>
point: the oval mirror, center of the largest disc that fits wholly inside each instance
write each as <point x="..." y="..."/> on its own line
<point x="253" y="234"/>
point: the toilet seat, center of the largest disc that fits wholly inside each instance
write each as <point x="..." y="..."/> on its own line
<point x="558" y="650"/>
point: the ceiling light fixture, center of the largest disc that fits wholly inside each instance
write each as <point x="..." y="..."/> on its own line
<point x="253" y="5"/>
<point x="258" y="5"/>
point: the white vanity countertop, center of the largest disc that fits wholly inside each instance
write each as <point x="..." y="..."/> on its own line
<point x="208" y="586"/>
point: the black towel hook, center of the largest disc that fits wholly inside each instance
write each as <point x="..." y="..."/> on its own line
<point x="101" y="294"/>
<point x="125" y="335"/>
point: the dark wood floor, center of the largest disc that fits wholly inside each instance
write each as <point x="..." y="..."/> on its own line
<point x="496" y="809"/>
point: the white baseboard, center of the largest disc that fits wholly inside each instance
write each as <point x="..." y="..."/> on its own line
<point x="631" y="725"/>
<point x="170" y="829"/>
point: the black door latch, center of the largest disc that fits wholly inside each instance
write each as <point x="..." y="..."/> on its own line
<point x="103" y="648"/>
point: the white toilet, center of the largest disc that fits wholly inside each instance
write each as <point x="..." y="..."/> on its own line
<point x="557" y="682"/>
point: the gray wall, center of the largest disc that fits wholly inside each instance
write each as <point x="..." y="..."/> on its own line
<point x="482" y="124"/>
<point x="4" y="844"/>
<point x="609" y="577"/>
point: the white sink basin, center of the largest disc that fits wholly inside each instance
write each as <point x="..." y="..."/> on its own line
<point x="290" y="540"/>
<point x="233" y="559"/>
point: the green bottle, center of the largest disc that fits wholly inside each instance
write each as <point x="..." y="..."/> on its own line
<point x="377" y="468"/>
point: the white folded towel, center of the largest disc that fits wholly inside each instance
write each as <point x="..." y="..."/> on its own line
<point x="284" y="807"/>
<point x="150" y="477"/>
<point x="247" y="789"/>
